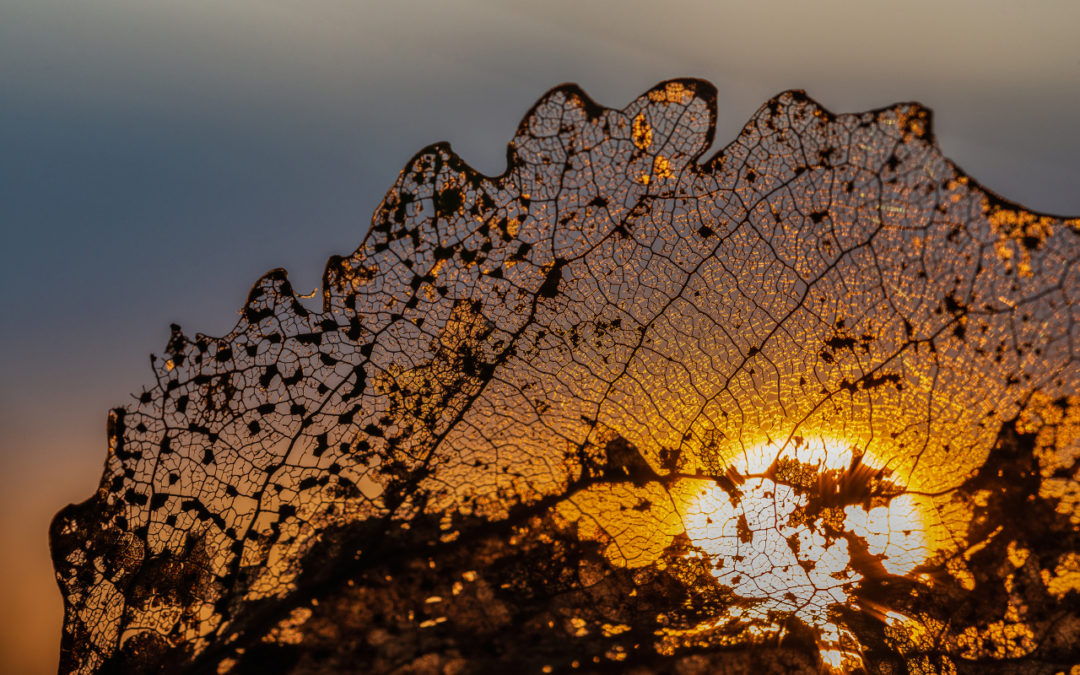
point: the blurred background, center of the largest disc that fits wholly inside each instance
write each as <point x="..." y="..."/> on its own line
<point x="157" y="157"/>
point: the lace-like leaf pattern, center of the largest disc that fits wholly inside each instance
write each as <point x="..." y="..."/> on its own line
<point x="810" y="403"/>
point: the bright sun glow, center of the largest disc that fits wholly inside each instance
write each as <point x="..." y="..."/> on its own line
<point x="762" y="543"/>
<point x="757" y="551"/>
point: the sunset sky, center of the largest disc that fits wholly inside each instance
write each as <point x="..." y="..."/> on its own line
<point x="157" y="157"/>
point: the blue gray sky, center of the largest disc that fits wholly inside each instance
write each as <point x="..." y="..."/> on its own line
<point x="157" y="157"/>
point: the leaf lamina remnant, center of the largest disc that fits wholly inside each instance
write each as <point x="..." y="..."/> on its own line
<point x="809" y="403"/>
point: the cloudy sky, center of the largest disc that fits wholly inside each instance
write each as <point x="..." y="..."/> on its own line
<point x="157" y="156"/>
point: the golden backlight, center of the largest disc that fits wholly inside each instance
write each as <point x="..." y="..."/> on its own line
<point x="809" y="403"/>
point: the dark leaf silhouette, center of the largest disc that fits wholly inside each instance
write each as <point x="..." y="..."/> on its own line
<point x="809" y="403"/>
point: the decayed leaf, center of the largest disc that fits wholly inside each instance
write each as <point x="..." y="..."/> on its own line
<point x="809" y="403"/>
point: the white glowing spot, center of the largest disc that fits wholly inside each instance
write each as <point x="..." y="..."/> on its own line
<point x="762" y="546"/>
<point x="895" y="618"/>
<point x="840" y="661"/>
<point x="760" y="555"/>
<point x="832" y="658"/>
<point x="895" y="531"/>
